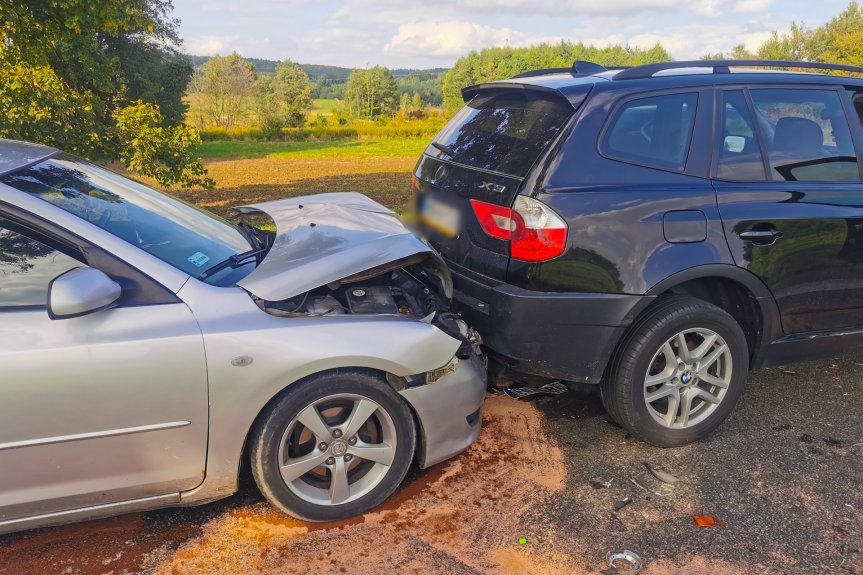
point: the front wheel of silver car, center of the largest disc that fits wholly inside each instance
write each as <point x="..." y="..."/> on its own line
<point x="333" y="446"/>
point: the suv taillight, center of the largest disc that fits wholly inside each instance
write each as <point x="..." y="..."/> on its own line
<point x="535" y="232"/>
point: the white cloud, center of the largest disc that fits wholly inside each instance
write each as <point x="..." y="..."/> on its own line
<point x="456" y="38"/>
<point x="748" y="6"/>
<point x="556" y="8"/>
<point x="211" y="45"/>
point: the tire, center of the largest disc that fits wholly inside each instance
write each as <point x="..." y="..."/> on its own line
<point x="651" y="348"/>
<point x="370" y="455"/>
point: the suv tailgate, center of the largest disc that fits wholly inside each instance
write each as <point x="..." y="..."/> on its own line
<point x="483" y="154"/>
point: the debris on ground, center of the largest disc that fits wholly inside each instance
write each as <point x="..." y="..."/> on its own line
<point x="601" y="484"/>
<point x="617" y="525"/>
<point x="637" y="484"/>
<point x="663" y="476"/>
<point x="708" y="522"/>
<point x="622" y="503"/>
<point x="624" y="562"/>
<point x="553" y="388"/>
<point x="788" y="372"/>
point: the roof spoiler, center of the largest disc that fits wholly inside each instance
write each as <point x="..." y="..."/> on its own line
<point x="468" y="93"/>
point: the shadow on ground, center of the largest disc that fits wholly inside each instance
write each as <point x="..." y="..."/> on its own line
<point x="783" y="473"/>
<point x="391" y="189"/>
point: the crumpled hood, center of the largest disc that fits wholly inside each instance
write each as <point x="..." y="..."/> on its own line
<point x="324" y="238"/>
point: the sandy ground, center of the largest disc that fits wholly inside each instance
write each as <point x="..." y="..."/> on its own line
<point x="464" y="516"/>
<point x="783" y="474"/>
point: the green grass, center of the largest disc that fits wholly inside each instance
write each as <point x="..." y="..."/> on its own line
<point x="387" y="147"/>
<point x="325" y="106"/>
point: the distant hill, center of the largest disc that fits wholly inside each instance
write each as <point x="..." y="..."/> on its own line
<point x="329" y="74"/>
<point x="330" y="80"/>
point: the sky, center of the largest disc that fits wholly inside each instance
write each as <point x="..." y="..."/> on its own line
<point x="424" y="33"/>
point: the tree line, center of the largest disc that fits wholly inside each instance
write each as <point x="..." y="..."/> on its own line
<point x="229" y="91"/>
<point x="839" y="41"/>
<point x="106" y="79"/>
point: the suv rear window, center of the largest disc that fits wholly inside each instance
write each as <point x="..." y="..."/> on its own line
<point x="653" y="131"/>
<point x="502" y="132"/>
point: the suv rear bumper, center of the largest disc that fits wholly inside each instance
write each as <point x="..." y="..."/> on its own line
<point x="567" y="336"/>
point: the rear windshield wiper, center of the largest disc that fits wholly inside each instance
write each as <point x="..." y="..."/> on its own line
<point x="444" y="148"/>
<point x="232" y="262"/>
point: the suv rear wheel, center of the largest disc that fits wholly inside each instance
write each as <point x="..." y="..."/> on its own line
<point x="679" y="372"/>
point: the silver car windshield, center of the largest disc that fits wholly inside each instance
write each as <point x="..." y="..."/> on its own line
<point x="176" y="232"/>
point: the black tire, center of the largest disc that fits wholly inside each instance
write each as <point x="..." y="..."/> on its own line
<point x="623" y="389"/>
<point x="273" y="423"/>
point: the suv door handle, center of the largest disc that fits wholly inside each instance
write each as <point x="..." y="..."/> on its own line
<point x="761" y="237"/>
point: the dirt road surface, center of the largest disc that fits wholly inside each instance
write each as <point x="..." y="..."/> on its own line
<point x="784" y="475"/>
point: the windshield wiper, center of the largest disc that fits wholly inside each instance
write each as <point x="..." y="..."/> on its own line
<point x="232" y="262"/>
<point x="253" y="233"/>
<point x="444" y="148"/>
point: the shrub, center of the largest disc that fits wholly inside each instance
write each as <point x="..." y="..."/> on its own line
<point x="271" y="128"/>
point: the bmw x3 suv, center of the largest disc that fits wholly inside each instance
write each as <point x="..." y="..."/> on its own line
<point x="658" y="230"/>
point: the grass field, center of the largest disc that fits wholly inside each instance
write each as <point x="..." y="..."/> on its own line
<point x="383" y="148"/>
<point x="247" y="172"/>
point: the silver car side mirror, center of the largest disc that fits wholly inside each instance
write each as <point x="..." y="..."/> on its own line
<point x="80" y="291"/>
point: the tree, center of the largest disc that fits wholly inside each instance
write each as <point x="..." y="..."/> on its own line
<point x="404" y="104"/>
<point x="839" y="40"/>
<point x="62" y="83"/>
<point x="285" y="97"/>
<point x="372" y="93"/>
<point x="500" y="63"/>
<point x="226" y="85"/>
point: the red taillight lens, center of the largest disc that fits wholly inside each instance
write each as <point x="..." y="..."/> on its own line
<point x="536" y="233"/>
<point x="495" y="220"/>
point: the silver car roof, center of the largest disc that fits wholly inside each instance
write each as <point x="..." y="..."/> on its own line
<point x="15" y="154"/>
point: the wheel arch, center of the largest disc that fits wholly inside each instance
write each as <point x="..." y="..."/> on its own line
<point x="392" y="380"/>
<point x="739" y="292"/>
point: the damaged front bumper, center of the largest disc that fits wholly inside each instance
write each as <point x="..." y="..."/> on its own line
<point x="449" y="410"/>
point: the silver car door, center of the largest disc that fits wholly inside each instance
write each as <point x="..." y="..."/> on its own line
<point x="94" y="409"/>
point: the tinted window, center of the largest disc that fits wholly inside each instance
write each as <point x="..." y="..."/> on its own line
<point x="653" y="131"/>
<point x="740" y="156"/>
<point x="178" y="233"/>
<point x="806" y="135"/>
<point x="502" y="132"/>
<point x="27" y="266"/>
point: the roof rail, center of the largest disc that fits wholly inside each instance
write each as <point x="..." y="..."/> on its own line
<point x="578" y="68"/>
<point x="722" y="67"/>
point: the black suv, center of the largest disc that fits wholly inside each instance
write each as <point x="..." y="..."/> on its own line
<point x="657" y="230"/>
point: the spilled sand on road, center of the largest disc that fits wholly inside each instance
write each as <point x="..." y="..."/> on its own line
<point x="462" y="516"/>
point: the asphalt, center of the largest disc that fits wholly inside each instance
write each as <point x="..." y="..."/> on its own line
<point x="783" y="475"/>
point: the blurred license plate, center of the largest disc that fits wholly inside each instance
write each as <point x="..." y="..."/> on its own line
<point x="440" y="217"/>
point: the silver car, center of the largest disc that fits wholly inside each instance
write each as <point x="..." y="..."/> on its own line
<point x="148" y="349"/>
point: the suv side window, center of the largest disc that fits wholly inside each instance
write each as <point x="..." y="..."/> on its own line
<point x="806" y="135"/>
<point x="653" y="131"/>
<point x="27" y="267"/>
<point x="739" y="157"/>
